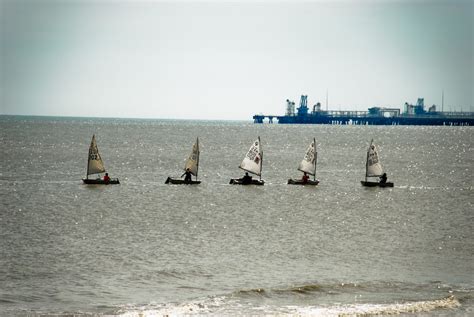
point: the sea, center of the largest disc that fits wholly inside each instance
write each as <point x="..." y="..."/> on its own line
<point x="144" y="248"/>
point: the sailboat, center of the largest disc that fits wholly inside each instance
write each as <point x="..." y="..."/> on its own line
<point x="192" y="165"/>
<point x="95" y="165"/>
<point x="373" y="168"/>
<point x="252" y="163"/>
<point x="307" y="165"/>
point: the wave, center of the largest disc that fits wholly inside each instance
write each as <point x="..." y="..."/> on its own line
<point x="219" y="306"/>
<point x="361" y="310"/>
<point x="325" y="288"/>
<point x="255" y="291"/>
<point x="310" y="299"/>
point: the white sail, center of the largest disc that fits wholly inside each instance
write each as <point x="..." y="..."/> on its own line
<point x="95" y="164"/>
<point x="373" y="168"/>
<point x="308" y="164"/>
<point x="193" y="160"/>
<point x="252" y="162"/>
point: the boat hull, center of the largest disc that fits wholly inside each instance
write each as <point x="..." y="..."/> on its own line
<point x="238" y="181"/>
<point x="99" y="181"/>
<point x="175" y="181"/>
<point x="376" y="184"/>
<point x="300" y="182"/>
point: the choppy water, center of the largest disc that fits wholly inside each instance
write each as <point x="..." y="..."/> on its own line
<point x="144" y="248"/>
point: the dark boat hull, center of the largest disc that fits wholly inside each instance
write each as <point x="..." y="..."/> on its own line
<point x="99" y="181"/>
<point x="238" y="181"/>
<point x="376" y="184"/>
<point x="300" y="182"/>
<point x="175" y="181"/>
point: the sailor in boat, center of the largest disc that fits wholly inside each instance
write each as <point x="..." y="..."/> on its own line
<point x="383" y="178"/>
<point x="305" y="178"/>
<point x="187" y="178"/>
<point x="106" y="178"/>
<point x="247" y="179"/>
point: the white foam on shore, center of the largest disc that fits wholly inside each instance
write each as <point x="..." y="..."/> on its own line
<point x="380" y="309"/>
<point x="194" y="308"/>
<point x="217" y="307"/>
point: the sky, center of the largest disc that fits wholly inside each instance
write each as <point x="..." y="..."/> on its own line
<point x="229" y="60"/>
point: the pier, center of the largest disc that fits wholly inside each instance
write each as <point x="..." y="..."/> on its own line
<point x="413" y="115"/>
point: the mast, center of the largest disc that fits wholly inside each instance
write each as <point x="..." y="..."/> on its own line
<point x="315" y="159"/>
<point x="261" y="156"/>
<point x="327" y="92"/>
<point x="87" y="173"/>
<point x="89" y="157"/>
<point x="442" y="101"/>
<point x="367" y="160"/>
<point x="197" y="161"/>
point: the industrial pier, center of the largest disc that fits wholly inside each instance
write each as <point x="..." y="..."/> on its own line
<point x="412" y="115"/>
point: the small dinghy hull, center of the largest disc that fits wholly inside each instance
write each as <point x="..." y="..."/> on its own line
<point x="238" y="181"/>
<point x="175" y="181"/>
<point x="99" y="181"/>
<point x="376" y="184"/>
<point x="300" y="182"/>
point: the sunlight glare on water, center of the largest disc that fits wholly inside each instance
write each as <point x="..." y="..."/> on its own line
<point x="146" y="248"/>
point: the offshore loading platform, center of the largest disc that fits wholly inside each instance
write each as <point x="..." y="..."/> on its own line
<point x="412" y="115"/>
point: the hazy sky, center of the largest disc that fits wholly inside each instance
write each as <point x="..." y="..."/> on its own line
<point x="231" y="60"/>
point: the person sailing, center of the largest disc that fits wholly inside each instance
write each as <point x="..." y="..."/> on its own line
<point x="247" y="179"/>
<point x="383" y="178"/>
<point x="106" y="178"/>
<point x="305" y="178"/>
<point x="188" y="174"/>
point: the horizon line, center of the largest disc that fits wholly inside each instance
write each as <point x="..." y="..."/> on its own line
<point x="128" y="118"/>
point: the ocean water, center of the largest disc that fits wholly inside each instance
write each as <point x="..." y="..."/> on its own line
<point x="143" y="248"/>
